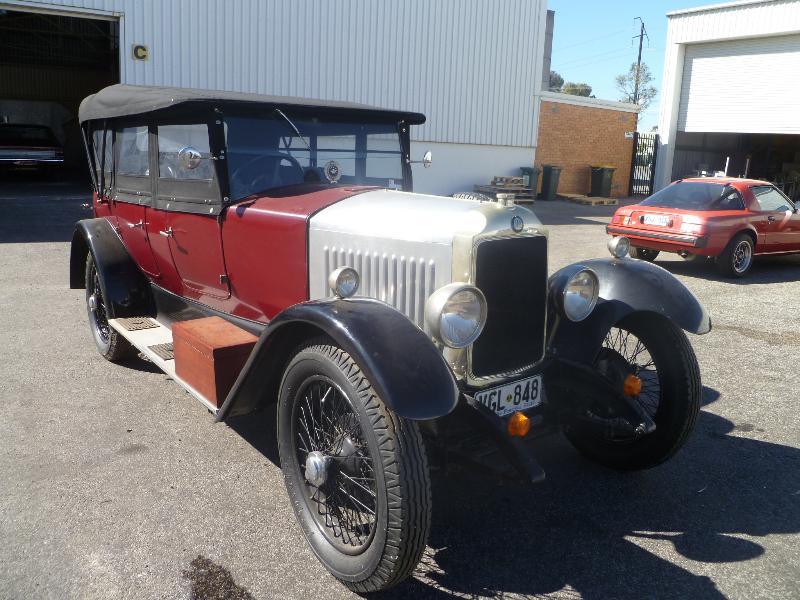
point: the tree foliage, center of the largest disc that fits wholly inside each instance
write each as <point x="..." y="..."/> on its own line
<point x="577" y="89"/>
<point x="626" y="84"/>
<point x="556" y="82"/>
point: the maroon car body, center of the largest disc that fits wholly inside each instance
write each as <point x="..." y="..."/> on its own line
<point x="712" y="217"/>
<point x="267" y="213"/>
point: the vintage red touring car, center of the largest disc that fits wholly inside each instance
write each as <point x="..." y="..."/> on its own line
<point x="728" y="219"/>
<point x="275" y="243"/>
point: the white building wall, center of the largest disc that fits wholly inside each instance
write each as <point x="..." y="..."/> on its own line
<point x="473" y="67"/>
<point x="714" y="23"/>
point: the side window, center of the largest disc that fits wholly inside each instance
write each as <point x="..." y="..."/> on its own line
<point x="103" y="155"/>
<point x="133" y="156"/>
<point x="184" y="152"/>
<point x="730" y="200"/>
<point x="770" y="199"/>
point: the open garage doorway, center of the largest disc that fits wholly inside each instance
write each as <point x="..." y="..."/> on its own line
<point x="48" y="64"/>
<point x="768" y="156"/>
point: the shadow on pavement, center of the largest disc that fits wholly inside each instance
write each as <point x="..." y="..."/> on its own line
<point x="768" y="269"/>
<point x="585" y="530"/>
<point x="35" y="211"/>
<point x="561" y="212"/>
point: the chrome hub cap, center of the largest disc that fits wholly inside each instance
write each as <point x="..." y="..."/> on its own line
<point x="742" y="256"/>
<point x="317" y="468"/>
<point x="93" y="302"/>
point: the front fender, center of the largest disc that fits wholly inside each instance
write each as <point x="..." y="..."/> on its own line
<point x="407" y="371"/>
<point x="126" y="290"/>
<point x="626" y="286"/>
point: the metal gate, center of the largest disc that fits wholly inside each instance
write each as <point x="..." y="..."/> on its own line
<point x="643" y="163"/>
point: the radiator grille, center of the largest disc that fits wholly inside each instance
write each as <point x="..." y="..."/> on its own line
<point x="405" y="282"/>
<point x="512" y="274"/>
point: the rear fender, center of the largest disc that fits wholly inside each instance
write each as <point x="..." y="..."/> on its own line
<point x="126" y="290"/>
<point x="626" y="286"/>
<point x="407" y="371"/>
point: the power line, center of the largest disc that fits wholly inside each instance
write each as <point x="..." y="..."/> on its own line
<point x="592" y="57"/>
<point x="590" y="40"/>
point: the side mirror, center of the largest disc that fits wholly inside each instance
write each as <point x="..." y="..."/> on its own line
<point x="427" y="159"/>
<point x="189" y="158"/>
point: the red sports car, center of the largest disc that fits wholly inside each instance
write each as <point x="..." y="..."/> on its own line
<point x="728" y="219"/>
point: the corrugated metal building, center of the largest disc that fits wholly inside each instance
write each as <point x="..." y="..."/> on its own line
<point x="730" y="92"/>
<point x="474" y="67"/>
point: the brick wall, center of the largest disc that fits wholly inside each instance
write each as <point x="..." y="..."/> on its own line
<point x="579" y="137"/>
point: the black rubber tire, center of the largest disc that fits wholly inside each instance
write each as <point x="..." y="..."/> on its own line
<point x="113" y="346"/>
<point x="644" y="253"/>
<point x="726" y="260"/>
<point x="473" y="196"/>
<point x="403" y="498"/>
<point x="679" y="405"/>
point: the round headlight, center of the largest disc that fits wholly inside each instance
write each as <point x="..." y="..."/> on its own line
<point x="344" y="282"/>
<point x="619" y="247"/>
<point x="580" y="295"/>
<point x="456" y="314"/>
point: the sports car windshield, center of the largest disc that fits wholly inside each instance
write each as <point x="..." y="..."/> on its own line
<point x="695" y="195"/>
<point x="265" y="152"/>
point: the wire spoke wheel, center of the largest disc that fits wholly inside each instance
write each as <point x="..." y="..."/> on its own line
<point x="356" y="472"/>
<point x="640" y="363"/>
<point x="111" y="345"/>
<point x="334" y="461"/>
<point x="97" y="308"/>
<point x="649" y="358"/>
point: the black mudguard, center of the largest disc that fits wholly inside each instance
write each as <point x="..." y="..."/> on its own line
<point x="407" y="371"/>
<point x="126" y="290"/>
<point x="626" y="286"/>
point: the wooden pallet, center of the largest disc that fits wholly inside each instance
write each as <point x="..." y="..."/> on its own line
<point x="590" y="200"/>
<point x="520" y="193"/>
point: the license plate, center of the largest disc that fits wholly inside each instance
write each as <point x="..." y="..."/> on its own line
<point x="511" y="397"/>
<point x="662" y="220"/>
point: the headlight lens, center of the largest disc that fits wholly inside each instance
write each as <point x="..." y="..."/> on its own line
<point x="344" y="282"/>
<point x="580" y="295"/>
<point x="619" y="247"/>
<point x="456" y="314"/>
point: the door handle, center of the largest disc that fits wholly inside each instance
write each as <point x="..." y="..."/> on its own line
<point x="167" y="233"/>
<point x="771" y="219"/>
<point x="135" y="225"/>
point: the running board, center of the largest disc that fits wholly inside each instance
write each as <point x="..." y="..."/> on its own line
<point x="154" y="341"/>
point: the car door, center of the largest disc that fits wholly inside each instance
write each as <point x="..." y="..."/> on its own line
<point x="783" y="223"/>
<point x="188" y="194"/>
<point x="132" y="193"/>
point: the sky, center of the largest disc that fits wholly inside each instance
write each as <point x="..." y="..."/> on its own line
<point x="593" y="43"/>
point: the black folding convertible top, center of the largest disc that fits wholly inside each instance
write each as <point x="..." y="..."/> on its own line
<point x="126" y="100"/>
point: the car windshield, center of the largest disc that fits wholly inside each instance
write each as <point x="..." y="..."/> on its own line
<point x="25" y="135"/>
<point x="695" y="195"/>
<point x="265" y="152"/>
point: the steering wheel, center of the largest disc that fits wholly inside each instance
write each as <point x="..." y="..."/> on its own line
<point x="260" y="180"/>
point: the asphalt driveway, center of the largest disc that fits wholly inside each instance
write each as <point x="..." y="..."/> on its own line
<point x="115" y="484"/>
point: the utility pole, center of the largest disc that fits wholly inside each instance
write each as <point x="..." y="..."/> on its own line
<point x="641" y="36"/>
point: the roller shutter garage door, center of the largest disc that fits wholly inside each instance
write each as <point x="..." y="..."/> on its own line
<point x="742" y="86"/>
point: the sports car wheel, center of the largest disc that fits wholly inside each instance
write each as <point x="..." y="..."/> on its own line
<point x="644" y="254"/>
<point x="649" y="358"/>
<point x="737" y="258"/>
<point x="356" y="473"/>
<point x="111" y="345"/>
